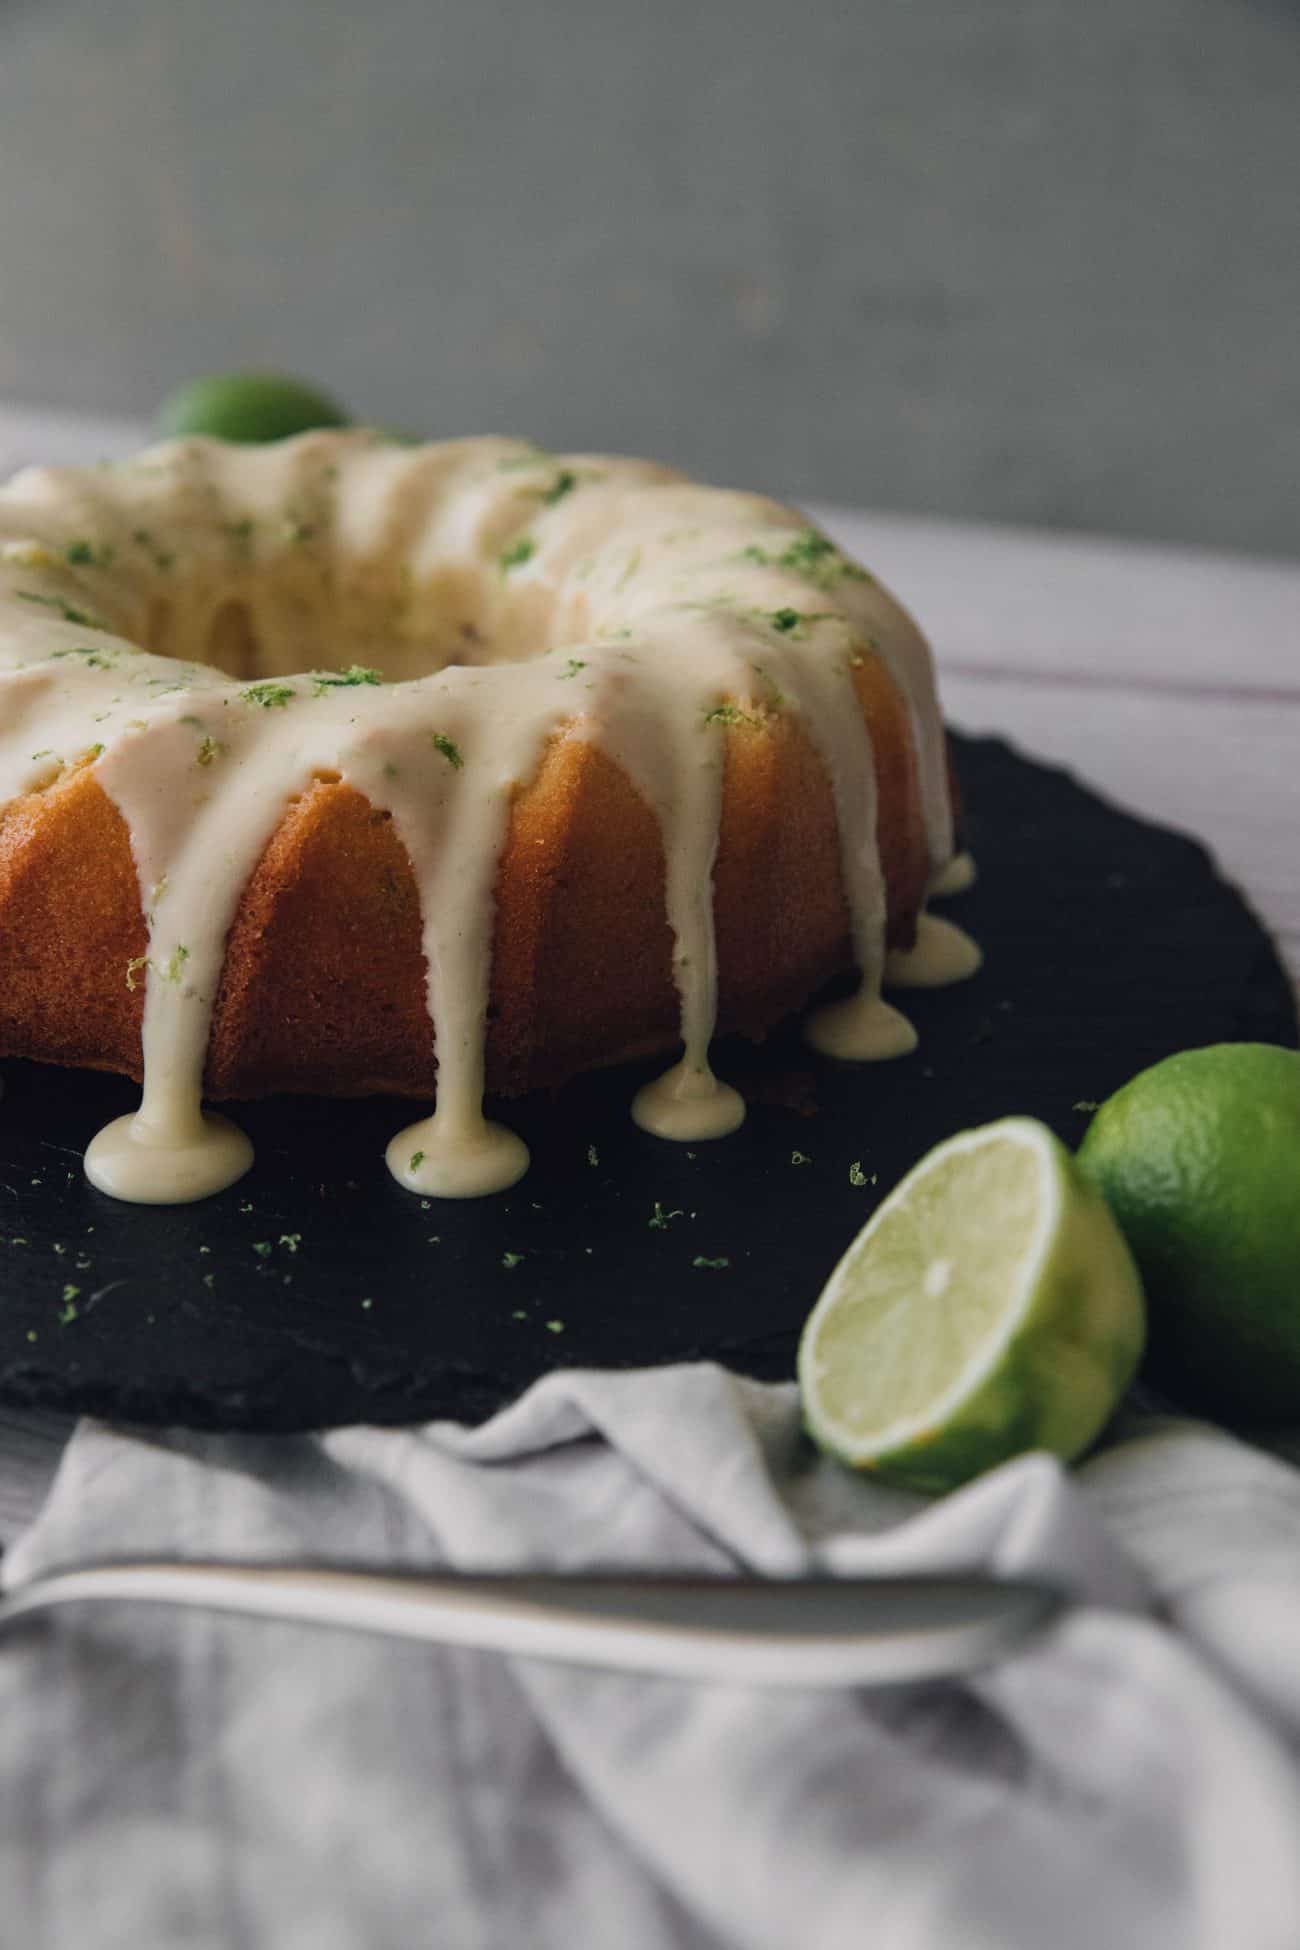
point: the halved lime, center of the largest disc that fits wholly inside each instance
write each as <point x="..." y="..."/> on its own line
<point x="248" y="406"/>
<point x="989" y="1306"/>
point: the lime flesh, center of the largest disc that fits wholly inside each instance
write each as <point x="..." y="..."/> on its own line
<point x="989" y="1306"/>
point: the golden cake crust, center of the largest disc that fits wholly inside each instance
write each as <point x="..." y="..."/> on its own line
<point x="324" y="984"/>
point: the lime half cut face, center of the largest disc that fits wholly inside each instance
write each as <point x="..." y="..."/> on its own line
<point x="989" y="1306"/>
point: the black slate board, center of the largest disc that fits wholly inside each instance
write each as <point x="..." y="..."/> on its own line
<point x="1109" y="943"/>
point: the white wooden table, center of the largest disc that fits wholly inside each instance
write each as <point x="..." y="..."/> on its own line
<point x="1169" y="679"/>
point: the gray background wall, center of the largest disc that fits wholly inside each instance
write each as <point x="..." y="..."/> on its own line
<point x="1024" y="259"/>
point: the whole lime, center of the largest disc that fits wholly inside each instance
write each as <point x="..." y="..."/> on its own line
<point x="1199" y="1160"/>
<point x="247" y="406"/>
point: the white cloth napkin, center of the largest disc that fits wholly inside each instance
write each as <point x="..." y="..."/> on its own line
<point x="172" y="1778"/>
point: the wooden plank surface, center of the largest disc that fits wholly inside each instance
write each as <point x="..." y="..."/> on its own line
<point x="1169" y="679"/>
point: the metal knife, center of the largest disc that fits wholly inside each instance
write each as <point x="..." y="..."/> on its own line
<point x="882" y="1631"/>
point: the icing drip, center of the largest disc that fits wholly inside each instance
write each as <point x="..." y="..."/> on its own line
<point x="944" y="953"/>
<point x="688" y="1104"/>
<point x="634" y="609"/>
<point x="860" y="1029"/>
<point x="959" y="874"/>
<point x="182" y="1156"/>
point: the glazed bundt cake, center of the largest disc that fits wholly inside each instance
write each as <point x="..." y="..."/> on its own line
<point x="347" y="767"/>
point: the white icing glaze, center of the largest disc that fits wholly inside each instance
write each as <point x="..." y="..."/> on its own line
<point x="954" y="878"/>
<point x="944" y="953"/>
<point x="632" y="607"/>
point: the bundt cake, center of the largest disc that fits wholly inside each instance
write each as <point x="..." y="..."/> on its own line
<point x="346" y="767"/>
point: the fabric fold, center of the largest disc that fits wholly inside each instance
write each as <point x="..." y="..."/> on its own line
<point x="1132" y="1778"/>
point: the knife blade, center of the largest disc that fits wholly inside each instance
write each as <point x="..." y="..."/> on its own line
<point x="881" y="1631"/>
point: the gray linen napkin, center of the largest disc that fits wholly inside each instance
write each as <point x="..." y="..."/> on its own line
<point x="187" y="1779"/>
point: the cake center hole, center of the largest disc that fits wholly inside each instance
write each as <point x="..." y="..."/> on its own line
<point x="325" y="617"/>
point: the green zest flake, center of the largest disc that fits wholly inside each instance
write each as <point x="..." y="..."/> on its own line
<point x="800" y="1158"/>
<point x="133" y="968"/>
<point x="814" y="555"/>
<point x="555" y="1326"/>
<point x="564" y="483"/>
<point x="262" y="1247"/>
<point x="518" y="553"/>
<point x="291" y="1241"/>
<point x="93" y="658"/>
<point x="575" y="664"/>
<point x="660" y="1219"/>
<point x="809" y="554"/>
<point x="209" y="748"/>
<point x="1084" y="1103"/>
<point x="367" y="1303"/>
<point x="65" y="609"/>
<point x="82" y="554"/>
<point x="511" y="1260"/>
<point x="593" y="1156"/>
<point x="268" y="694"/>
<point x="856" y="1174"/>
<point x="69" y="1313"/>
<point x="449" y="749"/>
<point x="417" y="1159"/>
<point x="175" y="963"/>
<point x="91" y="753"/>
<point x="731" y="714"/>
<point x="335" y="680"/>
<point x="713" y="1265"/>
<point x="785" y="620"/>
<point x="391" y="771"/>
<point x="162" y="558"/>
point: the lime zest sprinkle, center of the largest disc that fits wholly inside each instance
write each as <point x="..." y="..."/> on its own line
<point x="660" y="1219"/>
<point x="268" y="694"/>
<point x="520" y="551"/>
<point x="262" y="1247"/>
<point x="335" y="680"/>
<point x="800" y="1158"/>
<point x="162" y="558"/>
<point x="593" y="1156"/>
<point x="811" y="555"/>
<point x="417" y="1159"/>
<point x="732" y="714"/>
<point x="133" y="967"/>
<point x="83" y="554"/>
<point x="209" y="749"/>
<point x="449" y="748"/>
<point x="68" y="611"/>
<point x="511" y="1260"/>
<point x="95" y="658"/>
<point x="564" y="483"/>
<point x="555" y="1326"/>
<point x="712" y="1265"/>
<point x="291" y="1241"/>
<point x="574" y="665"/>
